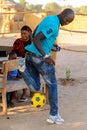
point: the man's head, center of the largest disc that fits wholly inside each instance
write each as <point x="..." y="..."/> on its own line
<point x="66" y="16"/>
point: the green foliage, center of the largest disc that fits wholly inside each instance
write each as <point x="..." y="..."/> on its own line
<point x="68" y="72"/>
<point x="34" y="7"/>
<point x="23" y="2"/>
<point x="52" y="7"/>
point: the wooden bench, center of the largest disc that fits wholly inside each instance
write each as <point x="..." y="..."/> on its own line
<point x="9" y="86"/>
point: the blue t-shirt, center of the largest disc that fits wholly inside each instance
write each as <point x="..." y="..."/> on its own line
<point x="13" y="73"/>
<point x="49" y="26"/>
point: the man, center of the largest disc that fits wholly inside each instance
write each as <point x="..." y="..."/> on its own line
<point x="38" y="59"/>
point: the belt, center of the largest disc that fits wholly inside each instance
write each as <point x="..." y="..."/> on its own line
<point x="32" y="54"/>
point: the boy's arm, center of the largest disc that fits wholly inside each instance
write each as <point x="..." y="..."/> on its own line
<point x="11" y="76"/>
<point x="19" y="75"/>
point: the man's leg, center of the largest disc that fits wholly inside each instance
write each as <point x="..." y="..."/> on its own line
<point x="48" y="73"/>
<point x="31" y="76"/>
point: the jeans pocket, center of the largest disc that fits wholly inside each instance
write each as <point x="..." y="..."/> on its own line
<point x="47" y="69"/>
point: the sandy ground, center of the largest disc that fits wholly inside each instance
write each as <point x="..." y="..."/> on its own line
<point x="72" y="96"/>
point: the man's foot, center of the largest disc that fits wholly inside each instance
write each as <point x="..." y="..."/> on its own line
<point x="21" y="65"/>
<point x="55" y="119"/>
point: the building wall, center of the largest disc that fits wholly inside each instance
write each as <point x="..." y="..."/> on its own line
<point x="12" y="22"/>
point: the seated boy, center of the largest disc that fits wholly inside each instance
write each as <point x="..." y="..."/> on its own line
<point x="12" y="75"/>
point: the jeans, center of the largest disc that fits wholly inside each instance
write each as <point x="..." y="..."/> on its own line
<point x="9" y="97"/>
<point x="36" y="66"/>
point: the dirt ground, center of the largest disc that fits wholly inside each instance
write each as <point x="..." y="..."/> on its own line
<point x="72" y="95"/>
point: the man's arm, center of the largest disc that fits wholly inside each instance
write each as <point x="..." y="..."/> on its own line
<point x="37" y="44"/>
<point x="56" y="48"/>
<point x="36" y="41"/>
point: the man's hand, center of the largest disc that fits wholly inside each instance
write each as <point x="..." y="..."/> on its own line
<point x="56" y="48"/>
<point x="49" y="60"/>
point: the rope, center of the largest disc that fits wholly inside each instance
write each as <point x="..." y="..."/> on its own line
<point x="73" y="31"/>
<point x="82" y="51"/>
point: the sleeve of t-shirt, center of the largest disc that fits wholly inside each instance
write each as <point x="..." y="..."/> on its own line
<point x="50" y="30"/>
<point x="16" y="46"/>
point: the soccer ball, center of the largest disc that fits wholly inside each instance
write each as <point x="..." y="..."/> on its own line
<point x="38" y="100"/>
